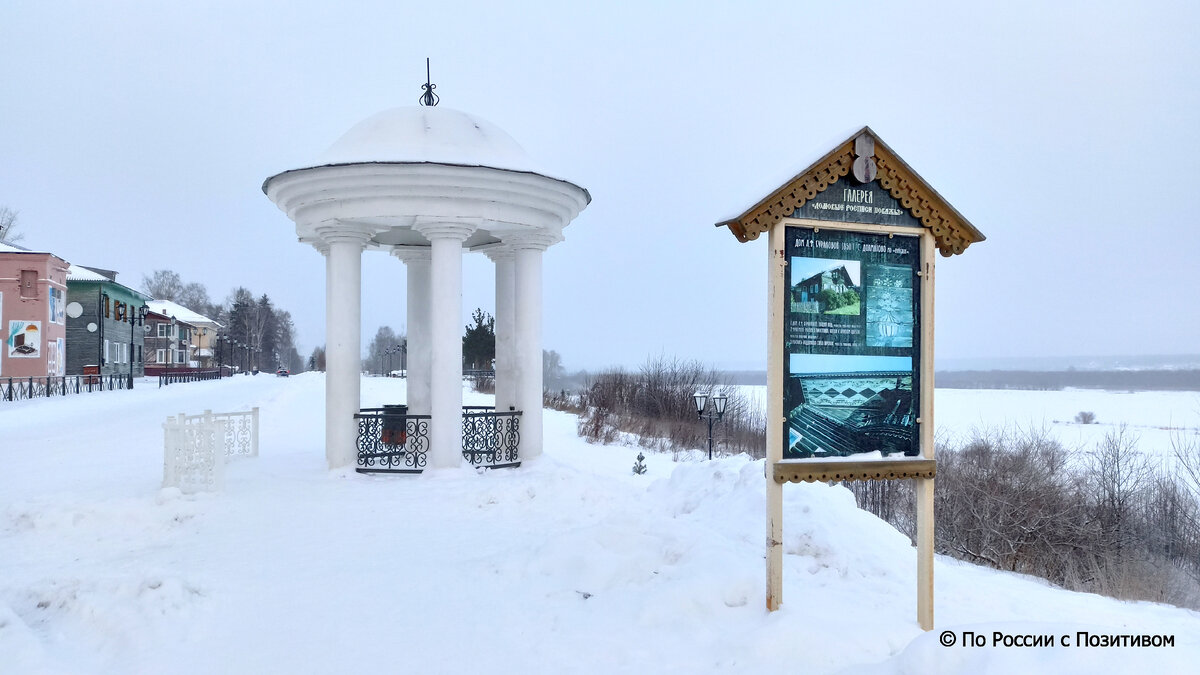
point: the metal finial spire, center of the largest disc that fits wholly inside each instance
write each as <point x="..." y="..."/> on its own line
<point x="428" y="98"/>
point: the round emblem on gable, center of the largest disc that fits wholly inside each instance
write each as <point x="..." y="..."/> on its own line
<point x="864" y="169"/>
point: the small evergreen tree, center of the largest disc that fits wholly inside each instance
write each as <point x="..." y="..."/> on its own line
<point x="479" y="342"/>
<point x="639" y="467"/>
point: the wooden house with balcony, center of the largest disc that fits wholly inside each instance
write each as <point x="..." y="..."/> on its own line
<point x="106" y="338"/>
<point x="168" y="343"/>
<point x="181" y="338"/>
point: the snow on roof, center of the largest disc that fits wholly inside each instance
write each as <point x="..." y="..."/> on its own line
<point x="428" y="134"/>
<point x="168" y="308"/>
<point x="6" y="247"/>
<point x="81" y="273"/>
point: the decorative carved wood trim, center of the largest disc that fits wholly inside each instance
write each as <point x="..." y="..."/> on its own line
<point x="782" y="202"/>
<point x="951" y="231"/>
<point x="809" y="470"/>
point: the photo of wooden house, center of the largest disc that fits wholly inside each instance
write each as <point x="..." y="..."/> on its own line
<point x="834" y="288"/>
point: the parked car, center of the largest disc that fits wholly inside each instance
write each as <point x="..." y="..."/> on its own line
<point x="282" y="372"/>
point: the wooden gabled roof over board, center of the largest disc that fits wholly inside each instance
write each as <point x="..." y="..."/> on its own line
<point x="859" y="161"/>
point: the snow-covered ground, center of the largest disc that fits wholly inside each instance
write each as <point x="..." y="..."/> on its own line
<point x="568" y="564"/>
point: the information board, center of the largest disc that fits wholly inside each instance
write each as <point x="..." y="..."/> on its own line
<point x="851" y="343"/>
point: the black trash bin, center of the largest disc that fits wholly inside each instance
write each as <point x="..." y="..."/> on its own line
<point x="395" y="422"/>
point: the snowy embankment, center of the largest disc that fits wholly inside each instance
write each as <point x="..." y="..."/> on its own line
<point x="568" y="564"/>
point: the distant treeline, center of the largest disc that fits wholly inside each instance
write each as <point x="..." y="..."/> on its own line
<point x="1052" y="380"/>
<point x="1118" y="380"/>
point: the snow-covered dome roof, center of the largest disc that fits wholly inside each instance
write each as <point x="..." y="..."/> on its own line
<point x="428" y="134"/>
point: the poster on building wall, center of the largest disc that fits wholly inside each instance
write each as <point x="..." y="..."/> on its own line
<point x="58" y="308"/>
<point x="62" y="356"/>
<point x="51" y="357"/>
<point x="851" y="343"/>
<point x="24" y="339"/>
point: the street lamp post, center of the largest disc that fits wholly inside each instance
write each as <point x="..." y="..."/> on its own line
<point x="138" y="319"/>
<point x="172" y="343"/>
<point x="101" y="315"/>
<point x="713" y="415"/>
<point x="218" y="341"/>
<point x="394" y="349"/>
<point x="200" y="346"/>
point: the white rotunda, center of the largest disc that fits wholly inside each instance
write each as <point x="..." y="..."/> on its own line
<point x="426" y="184"/>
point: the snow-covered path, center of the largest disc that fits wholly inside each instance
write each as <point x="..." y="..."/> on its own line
<point x="568" y="564"/>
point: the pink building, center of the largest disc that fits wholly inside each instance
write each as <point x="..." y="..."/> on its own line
<point x="33" y="319"/>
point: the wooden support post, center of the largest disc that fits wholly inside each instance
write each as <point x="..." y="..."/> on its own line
<point x="924" y="487"/>
<point x="925" y="552"/>
<point x="775" y="419"/>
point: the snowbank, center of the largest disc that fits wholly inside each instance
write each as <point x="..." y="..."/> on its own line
<point x="568" y="564"/>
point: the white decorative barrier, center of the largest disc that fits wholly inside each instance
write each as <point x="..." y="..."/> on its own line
<point x="197" y="446"/>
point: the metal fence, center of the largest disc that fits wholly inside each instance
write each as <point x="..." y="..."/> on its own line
<point x="391" y="441"/>
<point x="196" y="447"/>
<point x="491" y="439"/>
<point x="22" y="388"/>
<point x="187" y="376"/>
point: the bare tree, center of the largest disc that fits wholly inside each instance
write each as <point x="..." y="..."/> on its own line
<point x="657" y="404"/>
<point x="1006" y="500"/>
<point x="1187" y="452"/>
<point x="194" y="296"/>
<point x="552" y="369"/>
<point x="317" y="360"/>
<point x="1119" y="473"/>
<point x="9" y="226"/>
<point x="163" y="285"/>
<point x="382" y="346"/>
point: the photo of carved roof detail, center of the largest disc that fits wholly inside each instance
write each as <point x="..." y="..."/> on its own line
<point x="878" y="163"/>
<point x="846" y="413"/>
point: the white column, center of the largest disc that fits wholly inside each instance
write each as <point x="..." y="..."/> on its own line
<point x="343" y="340"/>
<point x="446" y="388"/>
<point x="527" y="336"/>
<point x="324" y="249"/>
<point x="506" y="384"/>
<point x="417" y="262"/>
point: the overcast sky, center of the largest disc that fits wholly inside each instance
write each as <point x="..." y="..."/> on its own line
<point x="136" y="136"/>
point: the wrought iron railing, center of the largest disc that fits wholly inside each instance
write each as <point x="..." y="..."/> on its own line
<point x="391" y="441"/>
<point x="187" y="376"/>
<point x="490" y="438"/>
<point x="196" y="447"/>
<point x="241" y="432"/>
<point x="22" y="388"/>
